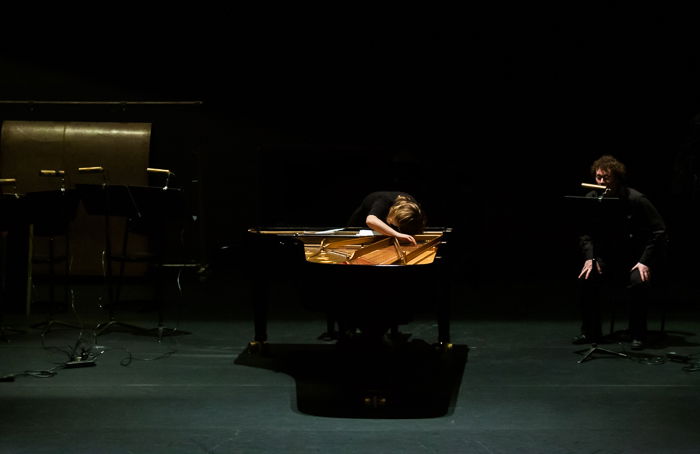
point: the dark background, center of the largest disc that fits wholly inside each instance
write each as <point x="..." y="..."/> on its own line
<point x="488" y="118"/>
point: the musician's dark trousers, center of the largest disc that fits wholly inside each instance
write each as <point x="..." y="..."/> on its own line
<point x="600" y="290"/>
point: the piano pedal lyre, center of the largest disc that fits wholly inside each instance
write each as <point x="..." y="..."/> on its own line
<point x="443" y="347"/>
<point x="374" y="401"/>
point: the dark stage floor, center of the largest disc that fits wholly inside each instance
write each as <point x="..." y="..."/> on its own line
<point x="512" y="382"/>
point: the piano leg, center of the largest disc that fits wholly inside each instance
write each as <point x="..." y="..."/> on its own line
<point x="259" y="343"/>
<point x="331" y="333"/>
<point x="443" y="324"/>
<point x="259" y="317"/>
<point x="443" y="313"/>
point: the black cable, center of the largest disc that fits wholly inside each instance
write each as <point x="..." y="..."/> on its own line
<point x="692" y="364"/>
<point x="130" y="358"/>
<point x="126" y="361"/>
<point x="644" y="358"/>
<point x="48" y="373"/>
<point x="693" y="367"/>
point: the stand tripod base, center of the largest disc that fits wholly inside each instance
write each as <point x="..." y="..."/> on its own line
<point x="595" y="349"/>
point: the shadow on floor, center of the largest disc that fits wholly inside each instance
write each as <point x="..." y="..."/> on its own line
<point x="412" y="380"/>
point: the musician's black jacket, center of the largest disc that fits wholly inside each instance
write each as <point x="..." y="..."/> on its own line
<point x="376" y="203"/>
<point x="630" y="231"/>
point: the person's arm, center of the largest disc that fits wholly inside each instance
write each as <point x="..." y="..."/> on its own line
<point x="656" y="244"/>
<point x="657" y="238"/>
<point x="376" y="224"/>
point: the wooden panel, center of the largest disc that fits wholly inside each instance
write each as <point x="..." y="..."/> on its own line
<point x="122" y="149"/>
<point x="26" y="147"/>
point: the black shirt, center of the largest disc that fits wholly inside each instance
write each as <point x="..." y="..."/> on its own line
<point x="377" y="203"/>
<point x="632" y="232"/>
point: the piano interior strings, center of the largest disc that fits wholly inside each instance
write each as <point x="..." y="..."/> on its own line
<point x="351" y="247"/>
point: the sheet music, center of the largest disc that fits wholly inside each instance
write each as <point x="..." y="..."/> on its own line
<point x="326" y="232"/>
<point x="364" y="232"/>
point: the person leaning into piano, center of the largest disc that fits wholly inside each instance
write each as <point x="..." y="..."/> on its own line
<point x="626" y="250"/>
<point x="390" y="213"/>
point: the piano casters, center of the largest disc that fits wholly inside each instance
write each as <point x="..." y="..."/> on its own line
<point x="257" y="348"/>
<point x="51" y="214"/>
<point x="595" y="349"/>
<point x="8" y="207"/>
<point x="331" y="333"/>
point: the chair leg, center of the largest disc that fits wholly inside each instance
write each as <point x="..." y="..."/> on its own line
<point x="51" y="321"/>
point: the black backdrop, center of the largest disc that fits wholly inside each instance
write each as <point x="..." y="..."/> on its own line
<point x="489" y="121"/>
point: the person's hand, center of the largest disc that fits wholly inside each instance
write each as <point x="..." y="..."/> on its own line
<point x="404" y="237"/>
<point x="644" y="271"/>
<point x="588" y="267"/>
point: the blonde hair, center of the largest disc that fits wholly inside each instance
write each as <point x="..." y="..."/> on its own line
<point x="407" y="215"/>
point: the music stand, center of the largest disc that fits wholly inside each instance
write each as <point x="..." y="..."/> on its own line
<point x="148" y="210"/>
<point x="158" y="211"/>
<point x="12" y="215"/>
<point x="50" y="214"/>
<point x="98" y="199"/>
<point x="599" y="214"/>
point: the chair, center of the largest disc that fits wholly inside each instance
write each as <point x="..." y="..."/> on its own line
<point x="656" y="297"/>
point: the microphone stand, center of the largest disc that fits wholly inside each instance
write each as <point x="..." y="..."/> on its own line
<point x="594" y="346"/>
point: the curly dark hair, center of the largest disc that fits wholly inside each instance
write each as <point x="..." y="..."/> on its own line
<point x="612" y="165"/>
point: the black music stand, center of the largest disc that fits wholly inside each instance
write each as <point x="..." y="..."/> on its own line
<point x="598" y="214"/>
<point x="148" y="210"/>
<point x="98" y="199"/>
<point x="158" y="211"/>
<point x="51" y="213"/>
<point x="12" y="215"/>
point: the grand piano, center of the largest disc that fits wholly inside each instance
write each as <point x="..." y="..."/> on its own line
<point x="361" y="280"/>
